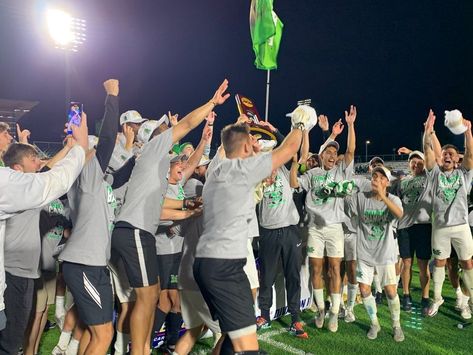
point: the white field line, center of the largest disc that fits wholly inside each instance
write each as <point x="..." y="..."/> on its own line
<point x="266" y="338"/>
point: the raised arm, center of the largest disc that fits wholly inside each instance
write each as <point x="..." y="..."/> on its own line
<point x="468" y="157"/>
<point x="293" y="173"/>
<point x="350" y="118"/>
<point x="109" y="130"/>
<point x="437" y="148"/>
<point x="430" y="160"/>
<point x="304" y="148"/>
<point x="194" y="159"/>
<point x="194" y="118"/>
<point x="287" y="149"/>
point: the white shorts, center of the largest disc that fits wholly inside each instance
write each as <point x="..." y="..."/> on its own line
<point x="195" y="311"/>
<point x="121" y="287"/>
<point x="458" y="236"/>
<point x="329" y="238"/>
<point x="365" y="273"/>
<point x="250" y="266"/>
<point x="350" y="247"/>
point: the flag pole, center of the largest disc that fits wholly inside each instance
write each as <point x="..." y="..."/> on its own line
<point x="267" y="95"/>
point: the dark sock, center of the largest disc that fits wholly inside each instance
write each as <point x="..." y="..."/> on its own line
<point x="227" y="346"/>
<point x="295" y="317"/>
<point x="265" y="314"/>
<point x="174" y="322"/>
<point x="159" y="318"/>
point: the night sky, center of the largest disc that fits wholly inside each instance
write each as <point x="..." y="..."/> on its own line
<point x="394" y="60"/>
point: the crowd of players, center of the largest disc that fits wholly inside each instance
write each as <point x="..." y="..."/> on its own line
<point x="137" y="221"/>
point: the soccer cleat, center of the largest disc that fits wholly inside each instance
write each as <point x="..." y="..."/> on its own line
<point x="349" y="316"/>
<point x="379" y="297"/>
<point x="333" y="322"/>
<point x="297" y="330"/>
<point x="425" y="305"/>
<point x="373" y="332"/>
<point x="262" y="323"/>
<point x="434" y="307"/>
<point x="58" y="351"/>
<point x="319" y="319"/>
<point x="342" y="313"/>
<point x="398" y="334"/>
<point x="406" y="303"/>
<point x="465" y="312"/>
<point x="459" y="302"/>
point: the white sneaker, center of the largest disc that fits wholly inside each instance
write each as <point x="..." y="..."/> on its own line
<point x="373" y="332"/>
<point x="465" y="312"/>
<point x="59" y="317"/>
<point x="434" y="307"/>
<point x="58" y="351"/>
<point x="319" y="319"/>
<point x="459" y="302"/>
<point x="398" y="334"/>
<point x="333" y="323"/>
<point x="349" y="316"/>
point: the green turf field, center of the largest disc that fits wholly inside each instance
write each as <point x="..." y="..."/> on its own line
<point x="438" y="335"/>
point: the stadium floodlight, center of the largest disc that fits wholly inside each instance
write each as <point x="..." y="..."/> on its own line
<point x="66" y="31"/>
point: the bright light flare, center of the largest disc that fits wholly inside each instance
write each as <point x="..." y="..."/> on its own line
<point x="66" y="31"/>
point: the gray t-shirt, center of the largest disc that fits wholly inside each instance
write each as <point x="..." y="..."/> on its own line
<point x="169" y="235"/>
<point x="191" y="233"/>
<point x="415" y="193"/>
<point x="375" y="228"/>
<point x="449" y="196"/>
<point x="322" y="207"/>
<point x="277" y="208"/>
<point x="147" y="186"/>
<point x="92" y="205"/>
<point x="229" y="205"/>
<point x="51" y="244"/>
<point x="23" y="244"/>
<point x="193" y="188"/>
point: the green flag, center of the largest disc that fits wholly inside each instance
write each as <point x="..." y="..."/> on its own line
<point x="266" y="33"/>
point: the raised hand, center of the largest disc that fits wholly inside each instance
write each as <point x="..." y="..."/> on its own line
<point x="429" y="123"/>
<point x="220" y="97"/>
<point x="207" y="134"/>
<point x="22" y="135"/>
<point x="350" y="117"/>
<point x="129" y="136"/>
<point x="338" y="127"/>
<point x="267" y="125"/>
<point x="467" y="124"/>
<point x="80" y="133"/>
<point x="404" y="150"/>
<point x="243" y="119"/>
<point x="173" y="118"/>
<point x="111" y="87"/>
<point x="378" y="188"/>
<point x="211" y="118"/>
<point x="323" y="122"/>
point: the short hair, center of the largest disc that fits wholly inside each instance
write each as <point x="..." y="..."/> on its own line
<point x="450" y="146"/>
<point x="233" y="136"/>
<point x="4" y="127"/>
<point x="16" y="152"/>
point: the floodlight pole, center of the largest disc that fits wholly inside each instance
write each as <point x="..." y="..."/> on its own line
<point x="268" y="77"/>
<point x="67" y="66"/>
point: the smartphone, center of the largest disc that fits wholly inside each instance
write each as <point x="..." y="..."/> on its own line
<point x="74" y="115"/>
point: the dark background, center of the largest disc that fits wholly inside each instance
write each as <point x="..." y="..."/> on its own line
<point x="394" y="60"/>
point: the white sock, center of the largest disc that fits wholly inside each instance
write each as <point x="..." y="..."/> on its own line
<point x="60" y="310"/>
<point x="468" y="280"/>
<point x="395" y="309"/>
<point x="73" y="347"/>
<point x="121" y="343"/>
<point x="345" y="290"/>
<point x="370" y="306"/>
<point x="60" y="301"/>
<point x="335" y="299"/>
<point x="319" y="298"/>
<point x="377" y="284"/>
<point x="351" y="299"/>
<point x="438" y="278"/>
<point x="64" y="340"/>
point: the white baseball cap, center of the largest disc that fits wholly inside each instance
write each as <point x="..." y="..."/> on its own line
<point x="164" y="119"/>
<point x="146" y="130"/>
<point x="131" y="116"/>
<point x="416" y="153"/>
<point x="383" y="170"/>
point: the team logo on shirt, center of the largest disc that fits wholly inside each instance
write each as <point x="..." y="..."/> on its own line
<point x="412" y="188"/>
<point x="112" y="203"/>
<point x="274" y="193"/>
<point x="322" y="187"/>
<point x="449" y="185"/>
<point x="56" y="207"/>
<point x="377" y="220"/>
<point x="180" y="192"/>
<point x="55" y="233"/>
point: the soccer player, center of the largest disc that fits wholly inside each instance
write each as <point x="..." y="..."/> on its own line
<point x="415" y="229"/>
<point x="133" y="236"/>
<point x="377" y="213"/>
<point x="222" y="249"/>
<point x="450" y="187"/>
<point x="326" y="215"/>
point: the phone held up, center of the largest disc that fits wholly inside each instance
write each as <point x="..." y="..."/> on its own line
<point x="74" y="115"/>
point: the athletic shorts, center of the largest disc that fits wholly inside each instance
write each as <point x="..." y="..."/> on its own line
<point x="326" y="241"/>
<point x="92" y="290"/>
<point x="137" y="248"/>
<point x="250" y="266"/>
<point x="168" y="266"/>
<point x="415" y="240"/>
<point x="121" y="287"/>
<point x="350" y="247"/>
<point x="226" y="290"/>
<point x="195" y="311"/>
<point x="366" y="271"/>
<point x="458" y="236"/>
<point x="45" y="288"/>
